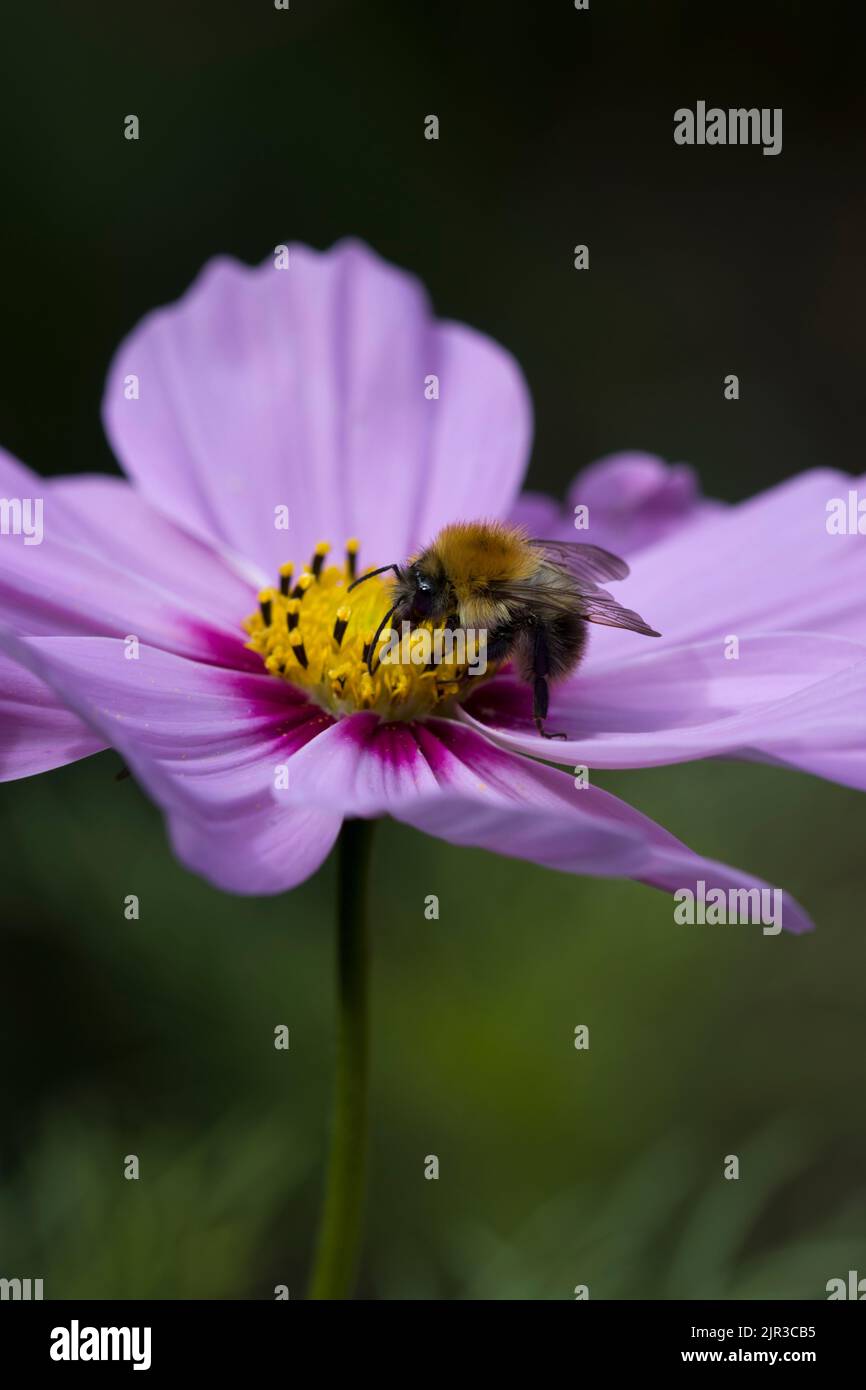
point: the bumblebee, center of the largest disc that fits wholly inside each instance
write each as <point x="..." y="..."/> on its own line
<point x="533" y="598"/>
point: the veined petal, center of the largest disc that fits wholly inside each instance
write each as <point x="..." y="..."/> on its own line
<point x="766" y="565"/>
<point x="267" y="850"/>
<point x="783" y="691"/>
<point x="449" y="782"/>
<point x="63" y="586"/>
<point x="107" y="519"/>
<point x="363" y="767"/>
<point x="553" y="831"/>
<point x="312" y="388"/>
<point x="17" y="480"/>
<point x="110" y="518"/>
<point x="631" y="499"/>
<point x="37" y="732"/>
<point x="207" y="743"/>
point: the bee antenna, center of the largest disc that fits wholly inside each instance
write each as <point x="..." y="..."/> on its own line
<point x="372" y="574"/>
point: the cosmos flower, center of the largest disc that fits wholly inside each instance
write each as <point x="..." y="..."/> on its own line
<point x="195" y="619"/>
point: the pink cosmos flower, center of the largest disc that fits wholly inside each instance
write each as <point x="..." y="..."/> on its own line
<point x="272" y="410"/>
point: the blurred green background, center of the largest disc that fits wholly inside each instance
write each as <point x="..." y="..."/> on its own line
<point x="156" y="1037"/>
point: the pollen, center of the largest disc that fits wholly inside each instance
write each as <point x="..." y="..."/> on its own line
<point x="314" y="634"/>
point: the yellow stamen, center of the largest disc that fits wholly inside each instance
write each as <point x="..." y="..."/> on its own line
<point x="341" y="623"/>
<point x="319" y="558"/>
<point x="296" y="643"/>
<point x="313" y="638"/>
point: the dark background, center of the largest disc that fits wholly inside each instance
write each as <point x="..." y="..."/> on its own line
<point x="259" y="126"/>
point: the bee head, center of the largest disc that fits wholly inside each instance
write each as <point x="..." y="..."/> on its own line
<point x="421" y="594"/>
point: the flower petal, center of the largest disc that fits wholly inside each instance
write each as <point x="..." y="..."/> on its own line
<point x="447" y="781"/>
<point x="17" y="480"/>
<point x="766" y="577"/>
<point x="551" y="830"/>
<point x="543" y="517"/>
<point x="363" y="767"/>
<point x="64" y="585"/>
<point x="766" y="565"/>
<point x="110" y="518"/>
<point x="267" y="850"/>
<point x="784" y="692"/>
<point x="36" y="732"/>
<point x="632" y="500"/>
<point x="208" y="745"/>
<point x="305" y="388"/>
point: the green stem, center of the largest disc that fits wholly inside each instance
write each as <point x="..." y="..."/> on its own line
<point x="339" y="1239"/>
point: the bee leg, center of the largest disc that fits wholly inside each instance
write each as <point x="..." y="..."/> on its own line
<point x="541" y="695"/>
<point x="540" y="686"/>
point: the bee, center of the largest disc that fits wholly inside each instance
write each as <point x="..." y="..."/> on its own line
<point x="533" y="598"/>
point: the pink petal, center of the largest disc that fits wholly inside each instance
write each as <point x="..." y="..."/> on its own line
<point x="107" y="518"/>
<point x="305" y="388"/>
<point x="785" y="692"/>
<point x="110" y="518"/>
<point x="765" y="565"/>
<point x="448" y="782"/>
<point x="16" y="479"/>
<point x="767" y="573"/>
<point x="36" y="732"/>
<point x="82" y="586"/>
<point x="541" y="516"/>
<point x="266" y="851"/>
<point x="206" y="743"/>
<point x="632" y="499"/>
<point x="556" y="836"/>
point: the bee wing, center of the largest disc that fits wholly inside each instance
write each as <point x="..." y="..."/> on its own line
<point x="584" y="598"/>
<point x="600" y="607"/>
<point x="585" y="563"/>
